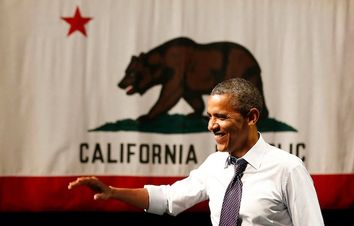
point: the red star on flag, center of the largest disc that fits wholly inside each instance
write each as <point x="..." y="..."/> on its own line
<point x="77" y="23"/>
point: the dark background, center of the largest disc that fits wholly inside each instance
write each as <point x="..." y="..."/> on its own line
<point x="331" y="218"/>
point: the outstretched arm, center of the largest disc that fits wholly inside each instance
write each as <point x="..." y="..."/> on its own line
<point x="137" y="197"/>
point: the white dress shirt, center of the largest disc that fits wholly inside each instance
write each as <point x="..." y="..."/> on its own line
<point x="277" y="189"/>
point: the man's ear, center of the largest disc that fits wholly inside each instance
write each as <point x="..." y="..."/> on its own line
<point x="253" y="116"/>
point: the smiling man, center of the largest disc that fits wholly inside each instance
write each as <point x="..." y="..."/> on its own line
<point x="247" y="181"/>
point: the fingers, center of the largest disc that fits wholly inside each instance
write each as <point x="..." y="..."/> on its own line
<point x="102" y="196"/>
<point x="88" y="181"/>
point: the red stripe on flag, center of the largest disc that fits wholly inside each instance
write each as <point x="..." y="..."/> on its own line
<point x="335" y="191"/>
<point x="51" y="193"/>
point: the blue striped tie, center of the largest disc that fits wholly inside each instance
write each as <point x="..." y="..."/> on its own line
<point x="232" y="199"/>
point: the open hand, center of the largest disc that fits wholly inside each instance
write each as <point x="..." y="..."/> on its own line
<point x="102" y="190"/>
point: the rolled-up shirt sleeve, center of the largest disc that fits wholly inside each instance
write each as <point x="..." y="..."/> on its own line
<point x="157" y="199"/>
<point x="181" y="195"/>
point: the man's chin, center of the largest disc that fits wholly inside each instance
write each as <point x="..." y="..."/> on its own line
<point x="221" y="149"/>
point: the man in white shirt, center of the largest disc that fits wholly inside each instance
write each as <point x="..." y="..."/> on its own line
<point x="276" y="187"/>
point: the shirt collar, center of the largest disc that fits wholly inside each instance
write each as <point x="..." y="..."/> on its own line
<point x="231" y="160"/>
<point x="254" y="156"/>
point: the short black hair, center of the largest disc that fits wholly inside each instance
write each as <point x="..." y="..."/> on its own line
<point x="245" y="94"/>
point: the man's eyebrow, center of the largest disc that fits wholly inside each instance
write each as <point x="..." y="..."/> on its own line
<point x="220" y="115"/>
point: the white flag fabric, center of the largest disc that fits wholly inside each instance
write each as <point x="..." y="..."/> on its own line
<point x="78" y="78"/>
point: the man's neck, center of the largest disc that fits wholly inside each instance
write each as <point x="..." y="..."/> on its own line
<point x="251" y="141"/>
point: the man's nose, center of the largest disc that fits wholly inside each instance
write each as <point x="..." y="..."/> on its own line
<point x="212" y="125"/>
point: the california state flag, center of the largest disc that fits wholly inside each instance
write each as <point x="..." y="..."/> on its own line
<point x="66" y="112"/>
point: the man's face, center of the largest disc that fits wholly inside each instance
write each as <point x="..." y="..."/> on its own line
<point x="230" y="128"/>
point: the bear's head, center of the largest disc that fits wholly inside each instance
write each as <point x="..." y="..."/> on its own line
<point x="138" y="77"/>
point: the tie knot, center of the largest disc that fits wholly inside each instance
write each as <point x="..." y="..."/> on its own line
<point x="240" y="166"/>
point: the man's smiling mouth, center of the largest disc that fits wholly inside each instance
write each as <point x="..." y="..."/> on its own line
<point x="219" y="136"/>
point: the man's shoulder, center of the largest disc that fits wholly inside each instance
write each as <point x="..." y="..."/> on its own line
<point x="281" y="157"/>
<point x="217" y="157"/>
